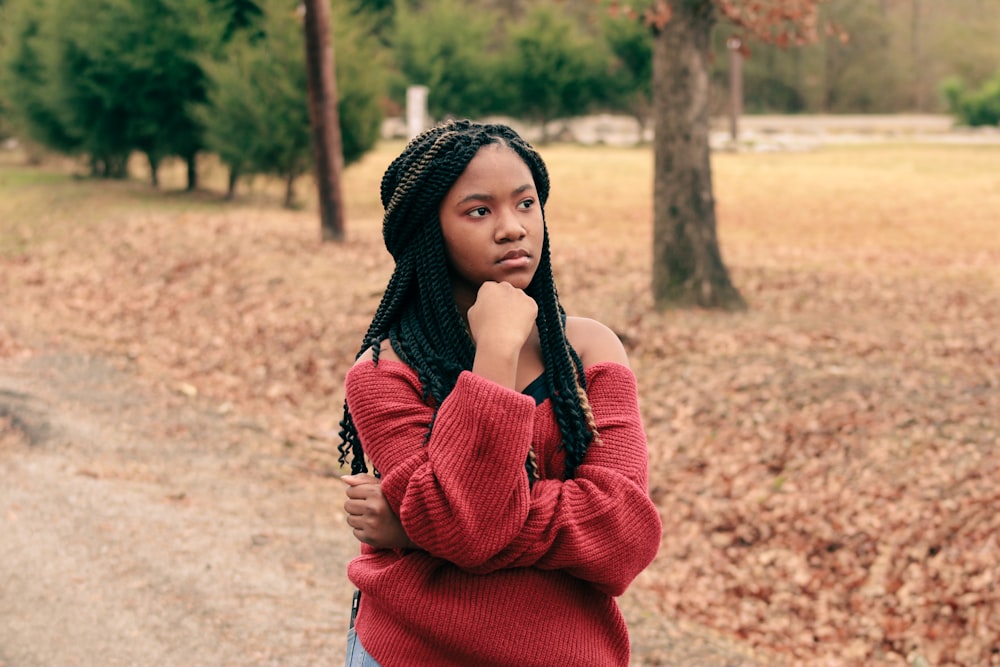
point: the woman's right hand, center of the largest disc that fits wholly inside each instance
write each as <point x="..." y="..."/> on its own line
<point x="500" y="322"/>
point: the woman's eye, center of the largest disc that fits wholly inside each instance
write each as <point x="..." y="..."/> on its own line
<point x="527" y="203"/>
<point x="479" y="212"/>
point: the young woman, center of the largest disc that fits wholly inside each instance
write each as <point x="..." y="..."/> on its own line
<point x="511" y="504"/>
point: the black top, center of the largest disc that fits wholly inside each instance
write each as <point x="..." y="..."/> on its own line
<point x="537" y="389"/>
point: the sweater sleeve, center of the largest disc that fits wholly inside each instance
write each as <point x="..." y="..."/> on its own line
<point x="601" y="525"/>
<point x="463" y="495"/>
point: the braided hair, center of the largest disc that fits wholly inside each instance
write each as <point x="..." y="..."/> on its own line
<point x="418" y="314"/>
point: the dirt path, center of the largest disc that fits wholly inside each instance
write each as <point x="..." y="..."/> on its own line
<point x="154" y="538"/>
<point x="139" y="528"/>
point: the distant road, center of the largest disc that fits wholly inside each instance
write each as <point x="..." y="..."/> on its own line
<point x="855" y="123"/>
<point x="757" y="132"/>
<point x="800" y="132"/>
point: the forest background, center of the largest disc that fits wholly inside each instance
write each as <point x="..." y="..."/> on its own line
<point x="183" y="78"/>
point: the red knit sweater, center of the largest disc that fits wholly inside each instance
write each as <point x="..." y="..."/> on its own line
<point x="505" y="575"/>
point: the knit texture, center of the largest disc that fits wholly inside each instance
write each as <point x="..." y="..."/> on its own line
<point x="507" y="573"/>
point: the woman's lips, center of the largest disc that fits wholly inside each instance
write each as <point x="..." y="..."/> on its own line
<point x="515" y="259"/>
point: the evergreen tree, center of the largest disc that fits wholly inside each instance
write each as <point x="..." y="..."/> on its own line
<point x="92" y="86"/>
<point x="630" y="83"/>
<point x="162" y="60"/>
<point x="229" y="117"/>
<point x="976" y="107"/>
<point x="122" y="80"/>
<point x="552" y="67"/>
<point x="257" y="115"/>
<point x="450" y="47"/>
<point x="27" y="92"/>
<point x="239" y="16"/>
<point x="362" y="79"/>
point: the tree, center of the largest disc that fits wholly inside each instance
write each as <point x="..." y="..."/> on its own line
<point x="90" y="86"/>
<point x="328" y="156"/>
<point x="257" y="115"/>
<point x="850" y="82"/>
<point x="379" y="13"/>
<point x="161" y="46"/>
<point x="631" y="77"/>
<point x="688" y="269"/>
<point x="450" y="47"/>
<point x="29" y="94"/>
<point x="361" y="73"/>
<point x="231" y="117"/>
<point x="974" y="107"/>
<point x="553" y="68"/>
<point x="122" y="80"/>
<point x="239" y="15"/>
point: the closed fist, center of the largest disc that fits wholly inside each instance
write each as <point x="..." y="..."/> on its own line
<point x="502" y="316"/>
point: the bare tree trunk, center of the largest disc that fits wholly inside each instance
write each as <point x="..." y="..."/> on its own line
<point x="154" y="170"/>
<point x="641" y="113"/>
<point x="324" y="118"/>
<point x="687" y="265"/>
<point x="192" y="171"/>
<point x="290" y="190"/>
<point x="234" y="176"/>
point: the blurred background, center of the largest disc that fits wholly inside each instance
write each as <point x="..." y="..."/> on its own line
<point x="178" y="78"/>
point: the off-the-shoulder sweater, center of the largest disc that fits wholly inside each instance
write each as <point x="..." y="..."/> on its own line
<point x="506" y="573"/>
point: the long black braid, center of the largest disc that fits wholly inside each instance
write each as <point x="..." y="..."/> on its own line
<point x="418" y="314"/>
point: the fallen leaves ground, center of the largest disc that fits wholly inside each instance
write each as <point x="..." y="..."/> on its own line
<point x="826" y="463"/>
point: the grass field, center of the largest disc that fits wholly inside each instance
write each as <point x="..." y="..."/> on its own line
<point x="826" y="462"/>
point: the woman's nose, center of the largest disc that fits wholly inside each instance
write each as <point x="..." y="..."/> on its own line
<point x="509" y="228"/>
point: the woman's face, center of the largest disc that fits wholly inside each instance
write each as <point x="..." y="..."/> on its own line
<point x="492" y="223"/>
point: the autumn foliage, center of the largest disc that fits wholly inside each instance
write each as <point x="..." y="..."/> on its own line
<point x="781" y="22"/>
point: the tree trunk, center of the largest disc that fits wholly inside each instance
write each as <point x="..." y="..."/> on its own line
<point x="687" y="264"/>
<point x="114" y="166"/>
<point x="642" y="111"/>
<point x="324" y="118"/>
<point x="918" y="84"/>
<point x="192" y="172"/>
<point x="234" y="176"/>
<point x="154" y="170"/>
<point x="290" y="190"/>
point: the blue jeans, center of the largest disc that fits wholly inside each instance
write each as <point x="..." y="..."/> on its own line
<point x="357" y="656"/>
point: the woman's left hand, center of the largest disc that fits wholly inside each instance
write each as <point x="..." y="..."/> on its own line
<point x="369" y="514"/>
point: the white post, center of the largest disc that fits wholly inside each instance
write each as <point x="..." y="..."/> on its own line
<point x="735" y="85"/>
<point x="416" y="110"/>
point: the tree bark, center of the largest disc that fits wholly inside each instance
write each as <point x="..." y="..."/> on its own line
<point x="234" y="176"/>
<point x="324" y="118"/>
<point x="154" y="170"/>
<point x="687" y="264"/>
<point x="915" y="29"/>
<point x="192" y="171"/>
<point x="290" y="191"/>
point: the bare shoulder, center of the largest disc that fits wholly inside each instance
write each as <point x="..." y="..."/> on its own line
<point x="385" y="352"/>
<point x="595" y="342"/>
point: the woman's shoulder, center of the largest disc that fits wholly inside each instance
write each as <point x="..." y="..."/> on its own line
<point x="385" y="352"/>
<point x="389" y="368"/>
<point x="595" y="342"/>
